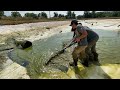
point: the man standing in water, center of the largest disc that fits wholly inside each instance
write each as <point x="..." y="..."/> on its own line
<point x="80" y="36"/>
<point x="92" y="38"/>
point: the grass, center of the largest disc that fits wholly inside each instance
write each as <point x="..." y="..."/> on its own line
<point x="15" y="21"/>
<point x="21" y="20"/>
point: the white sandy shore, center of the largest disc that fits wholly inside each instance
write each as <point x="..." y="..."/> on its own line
<point x="107" y="24"/>
<point x="22" y="27"/>
<point x="104" y="24"/>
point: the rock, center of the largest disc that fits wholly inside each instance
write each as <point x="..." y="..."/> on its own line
<point x="118" y="25"/>
<point x="14" y="71"/>
<point x="47" y="27"/>
<point x="23" y="44"/>
<point x="60" y="32"/>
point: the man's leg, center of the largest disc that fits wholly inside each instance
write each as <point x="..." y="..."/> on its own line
<point x="75" y="54"/>
<point x="90" y="50"/>
<point x="84" y="58"/>
<point x="93" y="50"/>
<point x="89" y="53"/>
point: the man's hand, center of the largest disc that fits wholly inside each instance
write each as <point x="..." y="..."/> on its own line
<point x="73" y="40"/>
<point x="76" y="40"/>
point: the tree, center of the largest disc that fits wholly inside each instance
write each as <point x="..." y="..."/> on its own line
<point x="87" y="14"/>
<point x="60" y="15"/>
<point x="55" y="14"/>
<point x="39" y="14"/>
<point x="108" y="14"/>
<point x="1" y="14"/>
<point x="79" y="16"/>
<point x="93" y="14"/>
<point x="43" y="15"/>
<point x="32" y="15"/>
<point x="15" y="14"/>
<point x="100" y="14"/>
<point x="116" y="13"/>
<point x="73" y="15"/>
<point x="69" y="15"/>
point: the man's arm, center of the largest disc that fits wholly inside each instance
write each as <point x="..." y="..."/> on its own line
<point x="83" y="32"/>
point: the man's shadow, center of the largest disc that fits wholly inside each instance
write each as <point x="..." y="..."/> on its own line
<point x="91" y="72"/>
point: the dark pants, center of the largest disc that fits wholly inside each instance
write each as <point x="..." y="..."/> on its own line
<point x="91" y="54"/>
<point x="91" y="50"/>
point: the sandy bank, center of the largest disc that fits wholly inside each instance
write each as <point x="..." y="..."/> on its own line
<point x="104" y="24"/>
<point x="22" y="27"/>
<point x="33" y="31"/>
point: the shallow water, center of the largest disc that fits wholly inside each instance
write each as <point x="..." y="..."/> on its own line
<point x="108" y="48"/>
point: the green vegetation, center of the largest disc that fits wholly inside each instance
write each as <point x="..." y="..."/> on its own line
<point x="105" y="14"/>
<point x="17" y="18"/>
<point x="31" y="15"/>
<point x="15" y="14"/>
<point x="1" y="14"/>
<point x="43" y="15"/>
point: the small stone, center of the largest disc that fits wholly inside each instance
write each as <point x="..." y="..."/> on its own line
<point x="60" y="32"/>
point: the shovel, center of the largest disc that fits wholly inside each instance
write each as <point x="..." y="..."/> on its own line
<point x="60" y="52"/>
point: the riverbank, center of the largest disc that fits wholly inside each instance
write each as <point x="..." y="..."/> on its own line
<point x="36" y="31"/>
<point x="45" y="29"/>
<point x="104" y="24"/>
<point x="31" y="32"/>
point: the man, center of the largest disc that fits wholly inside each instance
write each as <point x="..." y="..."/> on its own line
<point x="80" y="36"/>
<point x="92" y="38"/>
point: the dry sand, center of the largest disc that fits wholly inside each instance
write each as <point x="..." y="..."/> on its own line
<point x="104" y="24"/>
<point x="35" y="31"/>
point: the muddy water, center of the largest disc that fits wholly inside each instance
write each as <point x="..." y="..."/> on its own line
<point x="34" y="58"/>
<point x="108" y="46"/>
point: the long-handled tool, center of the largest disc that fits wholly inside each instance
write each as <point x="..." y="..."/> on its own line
<point x="60" y="52"/>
